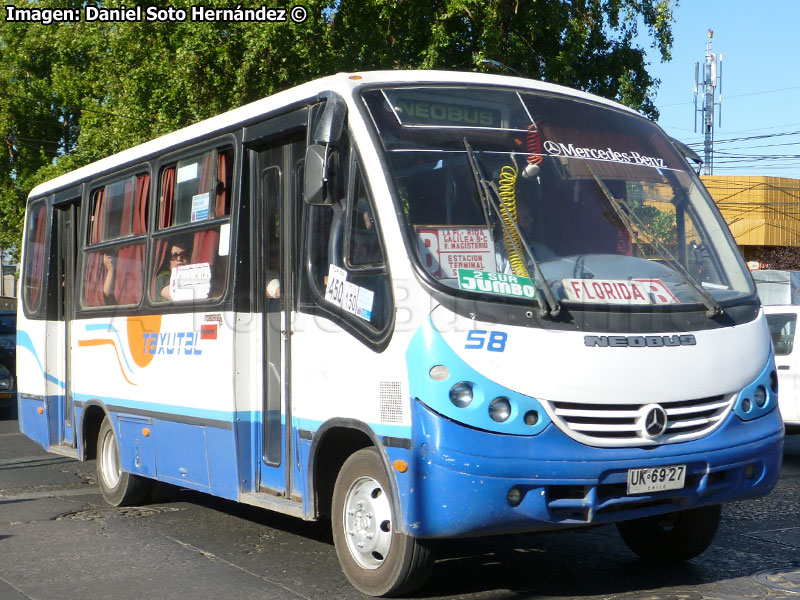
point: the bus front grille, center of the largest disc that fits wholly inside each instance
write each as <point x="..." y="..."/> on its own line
<point x="621" y="424"/>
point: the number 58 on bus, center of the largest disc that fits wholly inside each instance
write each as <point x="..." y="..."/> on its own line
<point x="420" y="304"/>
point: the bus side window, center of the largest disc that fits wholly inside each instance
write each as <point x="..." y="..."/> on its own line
<point x="35" y="251"/>
<point x="347" y="271"/>
<point x="364" y="248"/>
<point x="114" y="270"/>
<point x="195" y="195"/>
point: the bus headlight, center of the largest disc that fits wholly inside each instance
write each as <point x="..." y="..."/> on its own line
<point x="760" y="396"/>
<point x="461" y="394"/>
<point x="500" y="409"/>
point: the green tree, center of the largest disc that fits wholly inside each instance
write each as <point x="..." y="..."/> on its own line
<point x="39" y="114"/>
<point x="76" y="92"/>
<point x="586" y="44"/>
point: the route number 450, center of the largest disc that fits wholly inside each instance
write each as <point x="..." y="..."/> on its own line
<point x="493" y="341"/>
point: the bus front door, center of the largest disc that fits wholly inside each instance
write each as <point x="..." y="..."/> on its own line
<point x="277" y="196"/>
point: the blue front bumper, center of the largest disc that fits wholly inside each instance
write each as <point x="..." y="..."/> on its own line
<point x="461" y="476"/>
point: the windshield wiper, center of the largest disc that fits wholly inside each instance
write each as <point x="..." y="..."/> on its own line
<point x="629" y="219"/>
<point x="486" y="189"/>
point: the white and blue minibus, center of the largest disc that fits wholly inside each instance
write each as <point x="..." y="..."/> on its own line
<point x="421" y="304"/>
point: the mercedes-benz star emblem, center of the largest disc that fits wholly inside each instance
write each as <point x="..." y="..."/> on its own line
<point x="653" y="421"/>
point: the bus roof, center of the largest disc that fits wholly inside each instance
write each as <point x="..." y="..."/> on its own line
<point x="341" y="83"/>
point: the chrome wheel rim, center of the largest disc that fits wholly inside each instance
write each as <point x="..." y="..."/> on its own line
<point x="109" y="460"/>
<point x="368" y="522"/>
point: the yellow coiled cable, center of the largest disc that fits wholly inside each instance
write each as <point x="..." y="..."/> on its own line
<point x="508" y="212"/>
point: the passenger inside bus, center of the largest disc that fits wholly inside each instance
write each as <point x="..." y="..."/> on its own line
<point x="177" y="255"/>
<point x="110" y="263"/>
<point x="273" y="280"/>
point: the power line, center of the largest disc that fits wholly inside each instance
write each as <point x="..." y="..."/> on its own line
<point x="750" y="137"/>
<point x="764" y="146"/>
<point x="775" y="91"/>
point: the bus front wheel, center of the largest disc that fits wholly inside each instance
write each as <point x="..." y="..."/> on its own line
<point x="375" y="558"/>
<point x="673" y="537"/>
<point x="118" y="487"/>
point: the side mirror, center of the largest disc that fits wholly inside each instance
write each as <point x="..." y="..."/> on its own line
<point x="316" y="187"/>
<point x="317" y="184"/>
<point x="330" y="125"/>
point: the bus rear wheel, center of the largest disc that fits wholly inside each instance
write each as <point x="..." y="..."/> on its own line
<point x="673" y="537"/>
<point x="118" y="487"/>
<point x="375" y="558"/>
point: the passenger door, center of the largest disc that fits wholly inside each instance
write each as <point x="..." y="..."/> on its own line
<point x="276" y="164"/>
<point x="62" y="431"/>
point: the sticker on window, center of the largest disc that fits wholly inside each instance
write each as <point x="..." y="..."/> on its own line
<point x="364" y="305"/>
<point x="347" y="295"/>
<point x="224" y="239"/>
<point x="190" y="282"/>
<point x="334" y="291"/>
<point x="445" y="250"/>
<point x="187" y="173"/>
<point x="496" y="283"/>
<point x="200" y="207"/>
<point x="658" y="291"/>
<point x="618" y="291"/>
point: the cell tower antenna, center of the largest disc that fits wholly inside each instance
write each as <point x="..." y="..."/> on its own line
<point x="712" y="79"/>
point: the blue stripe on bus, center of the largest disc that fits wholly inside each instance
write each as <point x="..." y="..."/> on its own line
<point x="156" y="407"/>
<point x="100" y="327"/>
<point x="381" y="429"/>
<point x="214" y="459"/>
<point x="24" y="341"/>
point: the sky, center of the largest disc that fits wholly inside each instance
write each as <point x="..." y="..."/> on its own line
<point x="760" y="45"/>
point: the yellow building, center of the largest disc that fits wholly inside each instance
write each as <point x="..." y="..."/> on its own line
<point x="762" y="212"/>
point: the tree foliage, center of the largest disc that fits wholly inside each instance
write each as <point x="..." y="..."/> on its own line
<point x="75" y="92"/>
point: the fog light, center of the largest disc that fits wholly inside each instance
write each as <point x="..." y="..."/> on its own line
<point x="439" y="373"/>
<point x="461" y="394"/>
<point x="760" y="396"/>
<point x="531" y="418"/>
<point x="500" y="409"/>
<point x="514" y="496"/>
<point x="746" y="405"/>
<point x="750" y="471"/>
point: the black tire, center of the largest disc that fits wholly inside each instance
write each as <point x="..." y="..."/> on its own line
<point x="673" y="537"/>
<point x="388" y="562"/>
<point x="118" y="487"/>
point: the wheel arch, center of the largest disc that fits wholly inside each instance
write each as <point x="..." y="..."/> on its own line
<point x="94" y="412"/>
<point x="332" y="444"/>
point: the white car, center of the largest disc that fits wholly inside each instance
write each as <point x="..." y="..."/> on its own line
<point x="782" y="321"/>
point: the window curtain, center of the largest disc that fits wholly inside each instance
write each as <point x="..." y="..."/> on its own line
<point x="95" y="270"/>
<point x="97" y="221"/>
<point x="206" y="172"/>
<point x="165" y="208"/>
<point x="222" y="205"/>
<point x="130" y="259"/>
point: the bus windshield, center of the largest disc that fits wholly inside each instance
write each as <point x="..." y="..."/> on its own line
<point x="521" y="194"/>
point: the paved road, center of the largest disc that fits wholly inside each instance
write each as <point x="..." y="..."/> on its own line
<point x="58" y="540"/>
